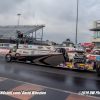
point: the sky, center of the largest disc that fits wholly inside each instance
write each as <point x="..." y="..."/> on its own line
<point x="58" y="16"/>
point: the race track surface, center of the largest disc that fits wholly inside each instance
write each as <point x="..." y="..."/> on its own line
<point x="58" y="83"/>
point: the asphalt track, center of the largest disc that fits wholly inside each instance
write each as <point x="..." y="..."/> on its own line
<point x="58" y="83"/>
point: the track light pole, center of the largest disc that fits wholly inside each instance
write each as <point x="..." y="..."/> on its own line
<point x="76" y="22"/>
<point x="18" y="18"/>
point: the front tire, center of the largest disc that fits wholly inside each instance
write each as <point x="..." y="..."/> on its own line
<point x="8" y="57"/>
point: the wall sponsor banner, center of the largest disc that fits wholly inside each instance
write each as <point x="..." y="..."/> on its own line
<point x="48" y="47"/>
<point x="20" y="46"/>
<point x="25" y="46"/>
<point x="40" y="47"/>
<point x="12" y="45"/>
<point x="85" y="44"/>
<point x="91" y="46"/>
<point x="37" y="47"/>
<point x="32" y="47"/>
<point x="4" y="51"/>
<point x="6" y="45"/>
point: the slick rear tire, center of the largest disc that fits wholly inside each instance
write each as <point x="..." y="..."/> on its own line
<point x="98" y="68"/>
<point x="8" y="57"/>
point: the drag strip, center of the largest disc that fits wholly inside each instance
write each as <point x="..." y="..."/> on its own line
<point x="57" y="78"/>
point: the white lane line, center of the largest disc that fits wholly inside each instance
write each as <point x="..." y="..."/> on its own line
<point x="52" y="88"/>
